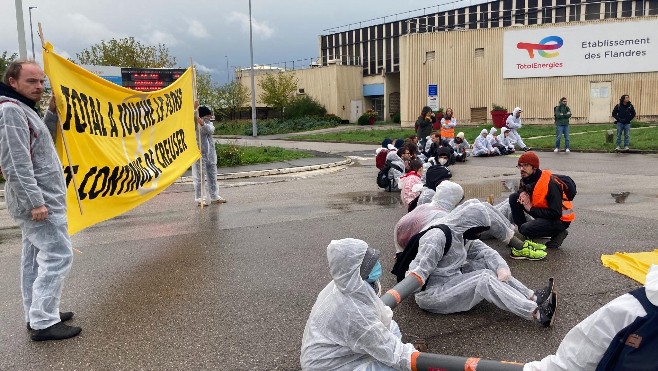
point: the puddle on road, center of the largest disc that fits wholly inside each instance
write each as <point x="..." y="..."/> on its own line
<point x="343" y="201"/>
<point x="491" y="189"/>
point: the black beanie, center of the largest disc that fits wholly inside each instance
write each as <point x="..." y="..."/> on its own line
<point x="204" y="111"/>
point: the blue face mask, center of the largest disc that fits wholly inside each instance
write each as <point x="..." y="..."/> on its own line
<point x="375" y="273"/>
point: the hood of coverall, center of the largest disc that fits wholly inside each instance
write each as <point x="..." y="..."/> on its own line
<point x="448" y="195"/>
<point x="516" y="110"/>
<point x="345" y="257"/>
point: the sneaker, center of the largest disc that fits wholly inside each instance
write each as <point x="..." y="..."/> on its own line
<point x="526" y="149"/>
<point x="198" y="202"/>
<point x="219" y="200"/>
<point x="626" y="148"/>
<point x="567" y="150"/>
<point x="556" y="150"/>
<point x="528" y="254"/>
<point x="543" y="293"/>
<point x="58" y="331"/>
<point x="63" y="316"/>
<point x="534" y="245"/>
<point x="547" y="310"/>
<point x="617" y="148"/>
<point x="556" y="241"/>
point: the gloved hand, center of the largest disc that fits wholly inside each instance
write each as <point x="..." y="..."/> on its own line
<point x="503" y="274"/>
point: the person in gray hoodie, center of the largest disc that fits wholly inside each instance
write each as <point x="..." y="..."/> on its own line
<point x="514" y="124"/>
<point x="35" y="190"/>
<point x="562" y="113"/>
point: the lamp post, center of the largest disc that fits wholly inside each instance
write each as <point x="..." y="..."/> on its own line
<point x="20" y="28"/>
<point x="254" y="126"/>
<point x="31" y="31"/>
<point x="228" y="76"/>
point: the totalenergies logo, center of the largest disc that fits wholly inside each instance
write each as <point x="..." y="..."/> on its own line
<point x="544" y="45"/>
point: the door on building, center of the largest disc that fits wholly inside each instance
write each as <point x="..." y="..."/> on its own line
<point x="378" y="106"/>
<point x="599" y="101"/>
<point x="356" y="110"/>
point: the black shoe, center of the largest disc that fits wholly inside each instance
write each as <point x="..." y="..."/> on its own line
<point x="63" y="316"/>
<point x="547" y="310"/>
<point x="526" y="149"/>
<point x="58" y="331"/>
<point x="543" y="293"/>
<point x="556" y="241"/>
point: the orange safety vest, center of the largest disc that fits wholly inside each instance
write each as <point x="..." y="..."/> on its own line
<point x="541" y="191"/>
<point x="448" y="133"/>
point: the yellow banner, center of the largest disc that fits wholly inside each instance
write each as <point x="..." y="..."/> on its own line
<point x="126" y="146"/>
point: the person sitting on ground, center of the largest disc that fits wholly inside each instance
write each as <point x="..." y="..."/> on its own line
<point x="433" y="145"/>
<point x="447" y="196"/>
<point x="382" y="152"/>
<point x="482" y="146"/>
<point x="493" y="140"/>
<point x="505" y="142"/>
<point x="398" y="159"/>
<point x="409" y="180"/>
<point x="349" y="327"/>
<point x="542" y="197"/>
<point x="514" y="124"/>
<point x="590" y="344"/>
<point x="449" y="288"/>
<point x="424" y="125"/>
<point x="448" y="123"/>
<point x="460" y="145"/>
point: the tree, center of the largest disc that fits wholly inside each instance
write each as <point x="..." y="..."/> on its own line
<point x="126" y="52"/>
<point x="5" y="60"/>
<point x="278" y="89"/>
<point x="207" y="91"/>
<point x="233" y="96"/>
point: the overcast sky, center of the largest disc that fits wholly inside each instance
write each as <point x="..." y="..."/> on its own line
<point x="209" y="31"/>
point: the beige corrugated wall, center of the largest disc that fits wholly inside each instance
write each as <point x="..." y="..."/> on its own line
<point x="468" y="81"/>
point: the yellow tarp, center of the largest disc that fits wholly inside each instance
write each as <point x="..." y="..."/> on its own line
<point x="126" y="146"/>
<point x="634" y="265"/>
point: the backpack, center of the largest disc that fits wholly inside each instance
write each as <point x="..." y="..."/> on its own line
<point x="383" y="181"/>
<point x="380" y="159"/>
<point x="404" y="258"/>
<point x="567" y="185"/>
<point x="634" y="347"/>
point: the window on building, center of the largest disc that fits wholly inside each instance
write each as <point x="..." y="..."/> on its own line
<point x="532" y="12"/>
<point x="574" y="13"/>
<point x="507" y="13"/>
<point x="610" y="10"/>
<point x="639" y="8"/>
<point x="484" y="15"/>
<point x="653" y="7"/>
<point x="627" y="9"/>
<point x="592" y="11"/>
<point x="479" y="52"/>
<point x="560" y="11"/>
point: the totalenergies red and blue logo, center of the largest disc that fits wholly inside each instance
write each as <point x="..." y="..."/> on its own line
<point x="543" y="48"/>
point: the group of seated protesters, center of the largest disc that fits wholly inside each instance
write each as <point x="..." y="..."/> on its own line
<point x="489" y="143"/>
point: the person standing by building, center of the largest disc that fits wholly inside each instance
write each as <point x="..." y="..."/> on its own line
<point x="562" y="113"/>
<point x="424" y="125"/>
<point x="624" y="113"/>
<point x="208" y="160"/>
<point x="514" y="124"/>
<point x="448" y="123"/>
<point x="35" y="190"/>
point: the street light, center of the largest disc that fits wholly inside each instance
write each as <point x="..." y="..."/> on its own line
<point x="228" y="79"/>
<point x="32" y="32"/>
<point x="254" y="126"/>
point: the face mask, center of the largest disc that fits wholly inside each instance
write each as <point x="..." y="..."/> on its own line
<point x="375" y="273"/>
<point x="442" y="161"/>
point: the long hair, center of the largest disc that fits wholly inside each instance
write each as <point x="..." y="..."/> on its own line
<point x="621" y="100"/>
<point x="425" y="111"/>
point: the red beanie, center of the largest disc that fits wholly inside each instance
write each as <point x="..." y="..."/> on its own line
<point x="529" y="158"/>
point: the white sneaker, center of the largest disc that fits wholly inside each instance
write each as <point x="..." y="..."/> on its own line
<point x="567" y="150"/>
<point x="556" y="150"/>
<point x="626" y="148"/>
<point x="617" y="148"/>
<point x="219" y="200"/>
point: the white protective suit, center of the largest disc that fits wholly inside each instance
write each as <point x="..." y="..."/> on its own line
<point x="394" y="174"/>
<point x="34" y="177"/>
<point x="505" y="140"/>
<point x="209" y="161"/>
<point x="469" y="272"/>
<point x="514" y="124"/>
<point x="448" y="194"/>
<point x="584" y="345"/>
<point x="350" y="328"/>
<point x="481" y="146"/>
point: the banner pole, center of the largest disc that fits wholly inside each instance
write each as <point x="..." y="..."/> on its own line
<point x="61" y="132"/>
<point x="201" y="186"/>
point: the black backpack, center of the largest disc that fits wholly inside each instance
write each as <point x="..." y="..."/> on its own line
<point x="383" y="180"/>
<point x="567" y="184"/>
<point x="635" y="347"/>
<point x="404" y="258"/>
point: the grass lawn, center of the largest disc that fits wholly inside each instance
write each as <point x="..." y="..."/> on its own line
<point x="233" y="155"/>
<point x="593" y="137"/>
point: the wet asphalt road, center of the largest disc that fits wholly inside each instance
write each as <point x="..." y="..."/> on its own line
<point x="171" y="286"/>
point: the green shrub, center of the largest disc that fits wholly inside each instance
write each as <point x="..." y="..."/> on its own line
<point x="271" y="127"/>
<point x="303" y="106"/>
<point x="396" y="117"/>
<point x="364" y="119"/>
<point x="228" y="155"/>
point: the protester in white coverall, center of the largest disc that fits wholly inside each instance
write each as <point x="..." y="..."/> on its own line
<point x="482" y="146"/>
<point x="206" y="129"/>
<point x="514" y="124"/>
<point x="35" y="191"/>
<point x="585" y="344"/>
<point x="450" y="288"/>
<point x="350" y="328"/>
